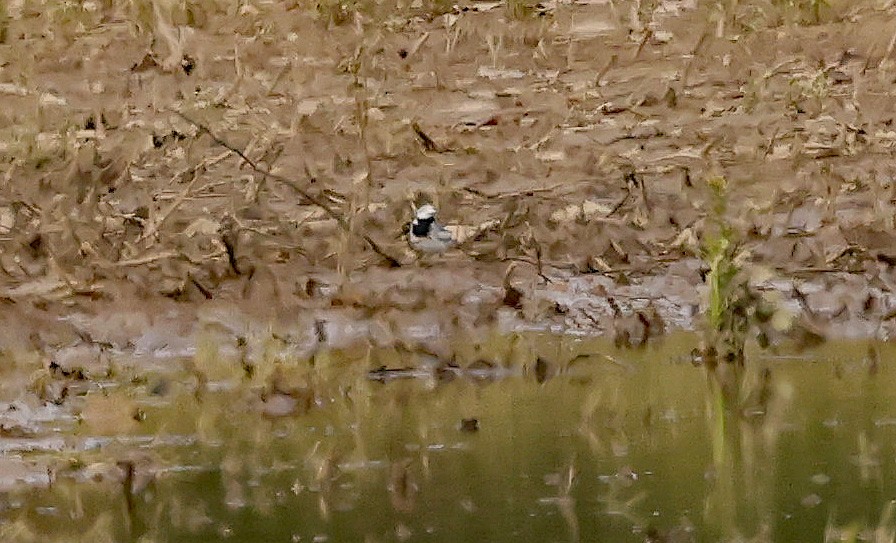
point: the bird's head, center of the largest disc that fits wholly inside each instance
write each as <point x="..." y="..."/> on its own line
<point x="424" y="212"/>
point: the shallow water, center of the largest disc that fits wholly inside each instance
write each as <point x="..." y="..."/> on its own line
<point x="617" y="446"/>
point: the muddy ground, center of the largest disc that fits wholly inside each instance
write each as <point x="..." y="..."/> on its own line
<point x="573" y="145"/>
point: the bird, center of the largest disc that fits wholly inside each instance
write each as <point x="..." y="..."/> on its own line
<point x="426" y="235"/>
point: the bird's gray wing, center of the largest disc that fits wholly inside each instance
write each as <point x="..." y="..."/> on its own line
<point x="443" y="235"/>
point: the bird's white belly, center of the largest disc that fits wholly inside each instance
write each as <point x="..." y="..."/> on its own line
<point x="429" y="245"/>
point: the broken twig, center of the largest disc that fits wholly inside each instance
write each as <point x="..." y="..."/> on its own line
<point x="307" y="196"/>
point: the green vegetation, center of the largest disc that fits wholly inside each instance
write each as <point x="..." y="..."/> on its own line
<point x="728" y="308"/>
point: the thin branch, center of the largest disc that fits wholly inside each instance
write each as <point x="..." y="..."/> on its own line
<point x="147" y="259"/>
<point x="620" y="203"/>
<point x="308" y="197"/>
<point x="153" y="227"/>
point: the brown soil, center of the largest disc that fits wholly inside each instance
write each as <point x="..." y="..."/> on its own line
<point x="571" y="144"/>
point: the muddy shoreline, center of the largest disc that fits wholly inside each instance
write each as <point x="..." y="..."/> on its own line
<point x="385" y="308"/>
<point x="574" y="147"/>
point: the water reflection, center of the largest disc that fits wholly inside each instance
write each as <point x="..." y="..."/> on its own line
<point x="571" y="440"/>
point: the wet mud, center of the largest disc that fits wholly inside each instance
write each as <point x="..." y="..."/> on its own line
<point x="568" y="145"/>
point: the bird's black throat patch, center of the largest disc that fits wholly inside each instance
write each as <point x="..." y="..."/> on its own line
<point x="420" y="227"/>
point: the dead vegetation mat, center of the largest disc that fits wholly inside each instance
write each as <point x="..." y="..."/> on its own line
<point x="268" y="154"/>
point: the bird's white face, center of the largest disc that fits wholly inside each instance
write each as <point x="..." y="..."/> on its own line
<point x="426" y="211"/>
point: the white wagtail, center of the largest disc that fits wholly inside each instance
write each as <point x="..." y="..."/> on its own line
<point x="426" y="235"/>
